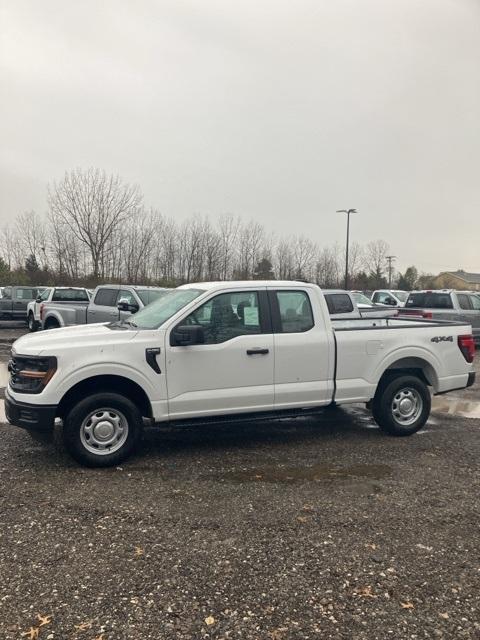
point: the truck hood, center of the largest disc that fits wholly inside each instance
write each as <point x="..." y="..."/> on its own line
<point x="49" y="341"/>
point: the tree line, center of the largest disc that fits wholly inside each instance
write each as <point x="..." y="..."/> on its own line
<point x="97" y="229"/>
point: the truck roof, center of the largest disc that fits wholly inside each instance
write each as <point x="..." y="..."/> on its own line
<point x="242" y="284"/>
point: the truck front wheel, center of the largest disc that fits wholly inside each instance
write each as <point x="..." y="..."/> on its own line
<point x="102" y="430"/>
<point x="32" y="323"/>
<point x="401" y="405"/>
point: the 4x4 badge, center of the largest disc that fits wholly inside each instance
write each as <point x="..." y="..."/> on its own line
<point x="442" y="339"/>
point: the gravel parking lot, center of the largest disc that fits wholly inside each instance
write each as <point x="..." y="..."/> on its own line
<point x="312" y="528"/>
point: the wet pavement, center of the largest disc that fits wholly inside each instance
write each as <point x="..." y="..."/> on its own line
<point x="321" y="527"/>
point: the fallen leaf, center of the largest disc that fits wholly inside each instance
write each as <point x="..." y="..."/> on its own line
<point x="307" y="507"/>
<point x="407" y="605"/>
<point x="139" y="551"/>
<point x="445" y="616"/>
<point x="83" y="626"/>
<point x="258" y="477"/>
<point x="371" y="546"/>
<point x="302" y="519"/>
<point x="43" y="620"/>
<point x="32" y="633"/>
<point x="100" y="637"/>
<point x="366" y="592"/>
<point x="210" y="620"/>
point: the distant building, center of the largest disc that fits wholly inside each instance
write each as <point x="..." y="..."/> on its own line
<point x="457" y="280"/>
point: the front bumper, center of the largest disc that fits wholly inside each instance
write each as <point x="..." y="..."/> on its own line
<point x="34" y="417"/>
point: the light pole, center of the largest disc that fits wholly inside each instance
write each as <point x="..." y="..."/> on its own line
<point x="390" y="269"/>
<point x="348" y="212"/>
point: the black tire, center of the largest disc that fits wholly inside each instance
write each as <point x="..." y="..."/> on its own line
<point x="81" y="440"/>
<point x="32" y="323"/>
<point x="387" y="411"/>
<point x="52" y="324"/>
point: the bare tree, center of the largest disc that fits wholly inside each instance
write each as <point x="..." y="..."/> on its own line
<point x="93" y="206"/>
<point x="375" y="255"/>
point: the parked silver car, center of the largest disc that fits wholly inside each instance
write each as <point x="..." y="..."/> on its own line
<point x="109" y="303"/>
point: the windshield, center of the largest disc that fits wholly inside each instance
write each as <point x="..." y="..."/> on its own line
<point x="360" y="298"/>
<point x="401" y="295"/>
<point x="44" y="293"/>
<point x="162" y="309"/>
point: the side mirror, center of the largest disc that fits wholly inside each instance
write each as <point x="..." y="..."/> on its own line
<point x="38" y="299"/>
<point x="391" y="302"/>
<point x="185" y="335"/>
<point x="124" y="305"/>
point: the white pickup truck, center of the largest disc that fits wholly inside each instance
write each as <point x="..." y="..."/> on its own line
<point x="210" y="350"/>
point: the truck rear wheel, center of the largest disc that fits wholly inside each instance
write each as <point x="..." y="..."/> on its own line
<point x="401" y="405"/>
<point x="102" y="430"/>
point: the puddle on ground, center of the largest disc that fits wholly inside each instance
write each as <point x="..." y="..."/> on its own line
<point x="316" y="473"/>
<point x="456" y="406"/>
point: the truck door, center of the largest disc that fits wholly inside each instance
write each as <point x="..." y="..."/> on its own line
<point x="232" y="371"/>
<point x="22" y="296"/>
<point x="303" y="350"/>
<point x="104" y="307"/>
<point x="6" y="303"/>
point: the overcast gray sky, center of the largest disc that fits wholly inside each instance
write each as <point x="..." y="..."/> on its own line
<point x="279" y="111"/>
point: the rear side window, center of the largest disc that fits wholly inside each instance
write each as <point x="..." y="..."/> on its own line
<point x="7" y="293"/>
<point x="463" y="301"/>
<point x="295" y="311"/>
<point x="70" y="295"/>
<point x="430" y="300"/>
<point x="338" y="303"/>
<point x="106" y="297"/>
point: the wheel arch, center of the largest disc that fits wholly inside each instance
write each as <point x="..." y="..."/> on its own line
<point x="106" y="383"/>
<point x="411" y="365"/>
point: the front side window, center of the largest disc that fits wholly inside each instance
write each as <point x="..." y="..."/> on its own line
<point x="7" y="293"/>
<point x="106" y="297"/>
<point x="295" y="311"/>
<point x="26" y="294"/>
<point x="126" y="296"/>
<point x="228" y="316"/>
<point x="475" y="300"/>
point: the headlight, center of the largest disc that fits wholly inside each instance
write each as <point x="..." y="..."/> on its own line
<point x="31" y="374"/>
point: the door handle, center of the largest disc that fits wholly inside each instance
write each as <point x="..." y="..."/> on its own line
<point x="257" y="352"/>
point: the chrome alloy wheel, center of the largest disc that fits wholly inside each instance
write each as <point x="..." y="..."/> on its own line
<point x="104" y="431"/>
<point x="407" y="405"/>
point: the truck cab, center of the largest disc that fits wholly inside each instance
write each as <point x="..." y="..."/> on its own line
<point x="14" y="302"/>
